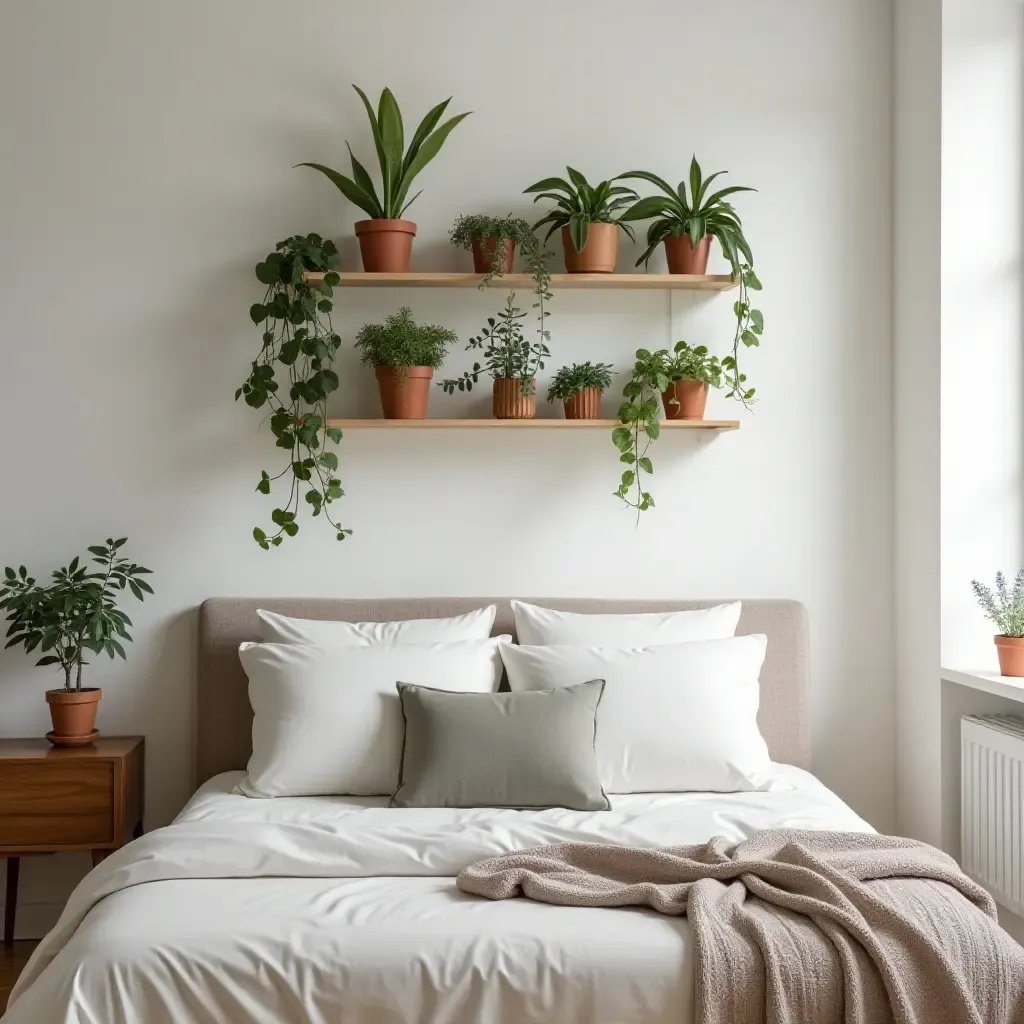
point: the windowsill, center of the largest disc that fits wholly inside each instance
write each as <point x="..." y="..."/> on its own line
<point x="988" y="682"/>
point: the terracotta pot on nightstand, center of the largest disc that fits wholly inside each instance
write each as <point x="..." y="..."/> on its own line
<point x="73" y="714"/>
<point x="1011" y="655"/>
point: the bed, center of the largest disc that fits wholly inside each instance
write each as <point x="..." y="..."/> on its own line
<point x="324" y="908"/>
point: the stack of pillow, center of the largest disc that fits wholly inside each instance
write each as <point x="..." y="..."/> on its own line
<point x="597" y="704"/>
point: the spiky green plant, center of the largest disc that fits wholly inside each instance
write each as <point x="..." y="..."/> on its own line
<point x="1004" y="606"/>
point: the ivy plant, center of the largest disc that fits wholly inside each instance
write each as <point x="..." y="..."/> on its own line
<point x="292" y="376"/>
<point x="570" y="380"/>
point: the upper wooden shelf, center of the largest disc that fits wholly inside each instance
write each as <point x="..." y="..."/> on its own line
<point x="535" y="424"/>
<point x="640" y="282"/>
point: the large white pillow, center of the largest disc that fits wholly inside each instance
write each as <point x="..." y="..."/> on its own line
<point x="672" y="718"/>
<point x="539" y="627"/>
<point x="281" y="629"/>
<point x="328" y="719"/>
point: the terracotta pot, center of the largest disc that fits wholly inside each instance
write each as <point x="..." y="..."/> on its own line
<point x="691" y="399"/>
<point x="683" y="258"/>
<point x="599" y="254"/>
<point x="73" y="713"/>
<point x="386" y="245"/>
<point x="483" y="250"/>
<point x="404" y="391"/>
<point x="1011" y="655"/>
<point x="509" y="402"/>
<point x="584" y="405"/>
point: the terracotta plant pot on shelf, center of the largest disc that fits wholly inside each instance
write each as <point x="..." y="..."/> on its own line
<point x="584" y="405"/>
<point x="1011" y="655"/>
<point x="509" y="402"/>
<point x="483" y="252"/>
<point x="404" y="391"/>
<point x="598" y="255"/>
<point x="73" y="714"/>
<point x="386" y="245"/>
<point x="691" y="399"/>
<point x="683" y="258"/>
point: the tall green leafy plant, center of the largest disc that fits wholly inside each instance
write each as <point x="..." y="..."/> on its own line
<point x="292" y="376"/>
<point x="400" y="341"/>
<point x="580" y="204"/>
<point x="398" y="165"/>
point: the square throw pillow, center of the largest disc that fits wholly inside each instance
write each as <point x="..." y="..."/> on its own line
<point x="537" y="626"/>
<point x="327" y="720"/>
<point x="523" y="750"/>
<point x="281" y="629"/>
<point x="672" y="718"/>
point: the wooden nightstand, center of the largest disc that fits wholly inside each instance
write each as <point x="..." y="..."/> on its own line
<point x="58" y="799"/>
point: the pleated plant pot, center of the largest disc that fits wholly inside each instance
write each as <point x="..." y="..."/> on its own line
<point x="509" y="402"/>
<point x="404" y="391"/>
<point x="584" y="405"/>
<point x="683" y="258"/>
<point x="685" y="400"/>
<point x="73" y="715"/>
<point x="483" y="254"/>
<point x="598" y="256"/>
<point x="385" y="245"/>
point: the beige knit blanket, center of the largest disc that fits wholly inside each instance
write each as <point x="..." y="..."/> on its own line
<point x="800" y="927"/>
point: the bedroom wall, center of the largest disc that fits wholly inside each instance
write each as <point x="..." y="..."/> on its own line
<point x="147" y="165"/>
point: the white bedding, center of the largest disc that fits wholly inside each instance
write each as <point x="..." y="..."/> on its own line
<point x="320" y="909"/>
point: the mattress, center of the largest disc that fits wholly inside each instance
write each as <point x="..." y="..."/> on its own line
<point x="320" y="909"/>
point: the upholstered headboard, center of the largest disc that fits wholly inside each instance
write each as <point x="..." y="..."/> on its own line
<point x="224" y="718"/>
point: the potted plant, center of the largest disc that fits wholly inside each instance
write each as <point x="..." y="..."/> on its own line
<point x="512" y="362"/>
<point x="493" y="241"/>
<point x="579" y="388"/>
<point x="691" y="372"/>
<point x="686" y="224"/>
<point x="1005" y="607"/>
<point x="385" y="240"/>
<point x="299" y="343"/>
<point x="589" y="217"/>
<point x="404" y="355"/>
<point x="75" y="613"/>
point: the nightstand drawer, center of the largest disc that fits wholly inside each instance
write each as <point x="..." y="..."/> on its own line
<point x="56" y="804"/>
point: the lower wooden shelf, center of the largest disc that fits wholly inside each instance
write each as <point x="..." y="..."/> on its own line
<point x="535" y="424"/>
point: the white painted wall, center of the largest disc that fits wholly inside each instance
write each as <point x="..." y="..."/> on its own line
<point x="147" y="165"/>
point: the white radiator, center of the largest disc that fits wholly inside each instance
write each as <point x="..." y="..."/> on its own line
<point x="992" y="805"/>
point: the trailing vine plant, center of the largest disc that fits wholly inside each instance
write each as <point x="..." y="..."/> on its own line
<point x="299" y="344"/>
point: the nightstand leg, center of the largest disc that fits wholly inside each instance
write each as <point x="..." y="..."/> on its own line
<point x="11" y="899"/>
<point x="98" y="856"/>
<point x="137" y="831"/>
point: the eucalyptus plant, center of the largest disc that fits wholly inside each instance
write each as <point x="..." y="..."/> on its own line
<point x="571" y="380"/>
<point x="299" y="343"/>
<point x="479" y="227"/>
<point x="1005" y="605"/>
<point x="580" y="204"/>
<point x="398" y="165"/>
<point x="506" y="352"/>
<point x="400" y="341"/>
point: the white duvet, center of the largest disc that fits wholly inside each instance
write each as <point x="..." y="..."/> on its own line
<point x="330" y="909"/>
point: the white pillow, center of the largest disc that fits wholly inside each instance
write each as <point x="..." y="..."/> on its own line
<point x="327" y="720"/>
<point x="672" y="718"/>
<point x="542" y="626"/>
<point x="280" y="629"/>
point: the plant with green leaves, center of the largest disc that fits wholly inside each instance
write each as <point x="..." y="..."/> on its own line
<point x="76" y="612"/>
<point x="692" y="363"/>
<point x="479" y="227"/>
<point x="400" y="341"/>
<point x="299" y="343"/>
<point x="698" y="213"/>
<point x="398" y="165"/>
<point x="580" y="204"/>
<point x="1005" y="605"/>
<point x="571" y="380"/>
<point x="506" y="352"/>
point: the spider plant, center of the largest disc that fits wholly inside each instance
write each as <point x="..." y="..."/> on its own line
<point x="581" y="204"/>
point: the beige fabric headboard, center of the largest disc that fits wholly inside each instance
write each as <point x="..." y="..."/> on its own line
<point x="224" y="718"/>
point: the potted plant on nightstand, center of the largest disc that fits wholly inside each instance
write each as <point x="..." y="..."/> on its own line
<point x="75" y="613"/>
<point x="579" y="388"/>
<point x="1005" y="607"/>
<point x="404" y="355"/>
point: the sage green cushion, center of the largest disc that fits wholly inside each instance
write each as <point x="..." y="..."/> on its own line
<point x="523" y="750"/>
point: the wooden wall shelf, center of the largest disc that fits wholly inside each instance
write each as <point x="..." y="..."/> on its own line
<point x="541" y="424"/>
<point x="524" y="282"/>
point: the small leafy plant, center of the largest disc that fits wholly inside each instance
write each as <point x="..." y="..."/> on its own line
<point x="695" y="363"/>
<point x="400" y="341"/>
<point x="570" y="380"/>
<point x="398" y="165"/>
<point x="76" y="612"/>
<point x="1004" y="606"/>
<point x="580" y="204"/>
<point x="299" y="342"/>
<point x="506" y="352"/>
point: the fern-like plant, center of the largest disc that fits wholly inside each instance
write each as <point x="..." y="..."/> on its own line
<point x="571" y="380"/>
<point x="1004" y="605"/>
<point x="400" y="341"/>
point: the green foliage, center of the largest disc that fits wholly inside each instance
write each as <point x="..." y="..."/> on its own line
<point x="400" y="341"/>
<point x="570" y="380"/>
<point x="1005" y="607"/>
<point x="398" y="165"/>
<point x="688" y="363"/>
<point x="479" y="227"/>
<point x="506" y="352"/>
<point x="299" y="342"/>
<point x="697" y="214"/>
<point x="76" y="612"/>
<point x="580" y="204"/>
